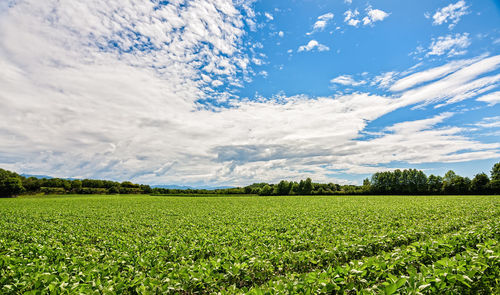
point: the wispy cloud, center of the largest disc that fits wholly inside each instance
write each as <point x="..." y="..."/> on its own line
<point x="491" y="98"/>
<point x="385" y="80"/>
<point x="489" y="122"/>
<point x="347" y="80"/>
<point x="431" y="74"/>
<point x="321" y="22"/>
<point x="313" y="45"/>
<point x="110" y="93"/>
<point x="450" y="45"/>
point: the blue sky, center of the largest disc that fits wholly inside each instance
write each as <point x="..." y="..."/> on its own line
<point x="220" y="92"/>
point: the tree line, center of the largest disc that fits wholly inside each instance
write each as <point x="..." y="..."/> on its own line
<point x="407" y="182"/>
<point x="12" y="184"/>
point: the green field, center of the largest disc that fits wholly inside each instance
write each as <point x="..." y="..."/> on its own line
<point x="249" y="244"/>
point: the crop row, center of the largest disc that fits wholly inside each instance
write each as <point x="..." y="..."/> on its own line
<point x="458" y="263"/>
<point x="201" y="245"/>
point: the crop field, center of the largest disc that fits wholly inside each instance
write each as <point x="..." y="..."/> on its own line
<point x="249" y="244"/>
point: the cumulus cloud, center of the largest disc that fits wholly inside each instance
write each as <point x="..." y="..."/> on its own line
<point x="450" y="45"/>
<point x="321" y="22"/>
<point x="351" y="17"/>
<point x="371" y="16"/>
<point x="313" y="45"/>
<point x="451" y="13"/>
<point x="111" y="93"/>
<point x="374" y="15"/>
<point x="268" y="16"/>
<point x="347" y="80"/>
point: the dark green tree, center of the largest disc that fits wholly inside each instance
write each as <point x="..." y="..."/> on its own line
<point x="76" y="185"/>
<point x="11" y="186"/>
<point x="495" y="179"/>
<point x="308" y="187"/>
<point x="283" y="188"/>
<point x="295" y="190"/>
<point x="480" y="184"/>
<point x="267" y="190"/>
<point x="434" y="184"/>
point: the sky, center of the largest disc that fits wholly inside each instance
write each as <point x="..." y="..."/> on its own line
<point x="219" y="92"/>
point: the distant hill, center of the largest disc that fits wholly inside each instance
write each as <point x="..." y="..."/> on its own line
<point x="169" y="186"/>
<point x="173" y="186"/>
<point x="36" y="176"/>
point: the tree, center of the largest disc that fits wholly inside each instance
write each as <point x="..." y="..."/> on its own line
<point x="267" y="190"/>
<point x="449" y="180"/>
<point x="128" y="184"/>
<point x="480" y="184"/>
<point x="283" y="188"/>
<point x="11" y="186"/>
<point x="295" y="190"/>
<point x="76" y="185"/>
<point x="146" y="189"/>
<point x="495" y="172"/>
<point x="308" y="187"/>
<point x="434" y="184"/>
<point x="495" y="179"/>
<point x="114" y="190"/>
<point x="31" y="184"/>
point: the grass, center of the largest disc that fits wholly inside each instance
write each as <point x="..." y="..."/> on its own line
<point x="250" y="244"/>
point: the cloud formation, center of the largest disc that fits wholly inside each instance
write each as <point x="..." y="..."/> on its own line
<point x="450" y="45"/>
<point x="351" y="17"/>
<point x="374" y="15"/>
<point x="347" y="80"/>
<point x="117" y="92"/>
<point x="371" y="16"/>
<point x="313" y="45"/>
<point x="321" y="22"/>
<point x="491" y="98"/>
<point x="451" y="13"/>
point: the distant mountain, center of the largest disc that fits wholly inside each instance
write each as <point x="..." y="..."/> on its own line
<point x="169" y="186"/>
<point x="36" y="176"/>
<point x="173" y="186"/>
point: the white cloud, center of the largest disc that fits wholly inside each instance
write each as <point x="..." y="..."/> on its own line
<point x="491" y="98"/>
<point x="489" y="122"/>
<point x="348" y="1"/>
<point x="269" y="16"/>
<point x="313" y="44"/>
<point x="385" y="80"/>
<point x="460" y="85"/>
<point x="347" y="80"/>
<point x="371" y="16"/>
<point x="351" y="17"/>
<point x="77" y="106"/>
<point x="217" y="83"/>
<point x="451" y="13"/>
<point x="449" y="45"/>
<point x="374" y="15"/>
<point x="431" y="74"/>
<point x="281" y="34"/>
<point x="321" y="22"/>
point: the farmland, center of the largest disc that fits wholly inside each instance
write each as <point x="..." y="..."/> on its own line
<point x="250" y="244"/>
